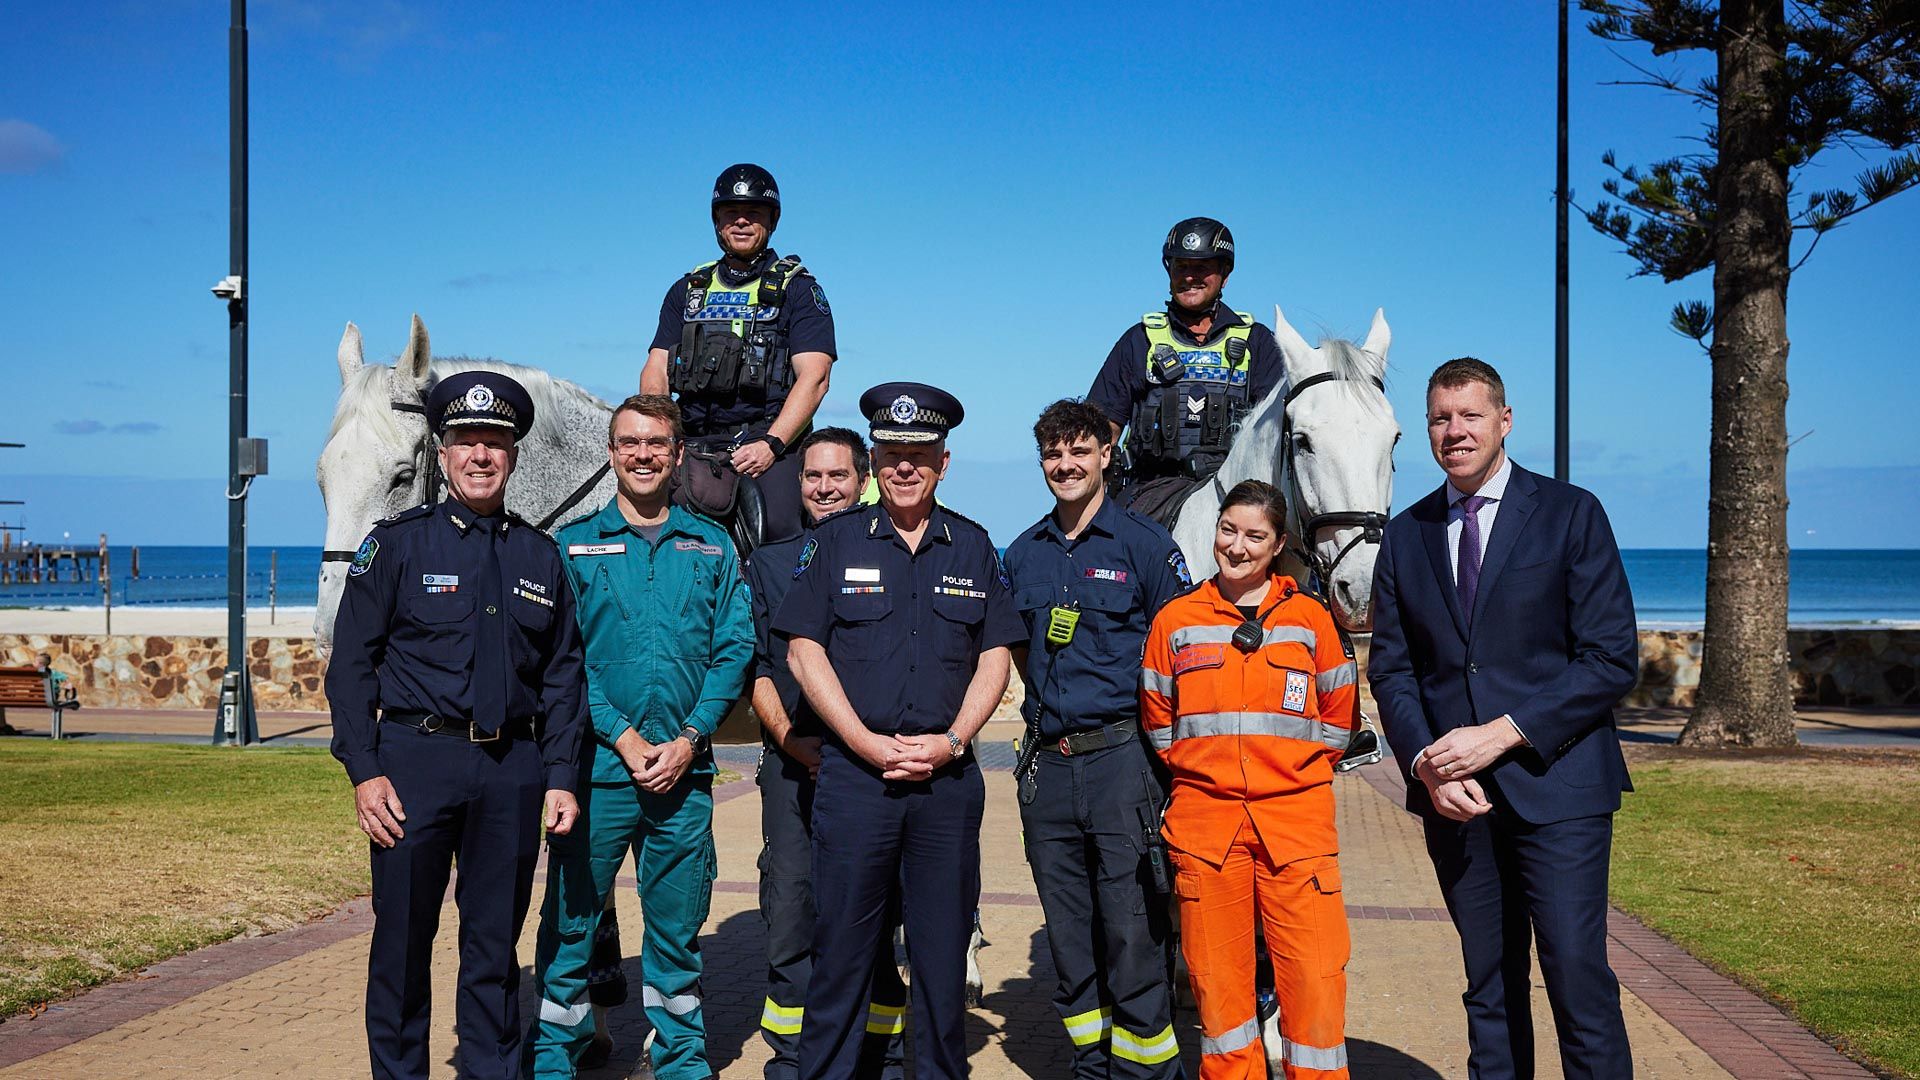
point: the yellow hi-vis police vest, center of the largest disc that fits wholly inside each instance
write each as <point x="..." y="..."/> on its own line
<point x="1189" y="421"/>
<point x="728" y="337"/>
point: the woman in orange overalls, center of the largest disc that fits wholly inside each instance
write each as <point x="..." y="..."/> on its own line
<point x="1248" y="693"/>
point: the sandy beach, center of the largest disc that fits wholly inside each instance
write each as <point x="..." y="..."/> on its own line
<point x="286" y="622"/>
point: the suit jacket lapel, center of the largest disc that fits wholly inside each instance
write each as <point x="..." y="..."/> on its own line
<point x="1432" y="516"/>
<point x="1515" y="509"/>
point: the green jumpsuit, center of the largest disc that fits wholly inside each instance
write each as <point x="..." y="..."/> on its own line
<point x="669" y="640"/>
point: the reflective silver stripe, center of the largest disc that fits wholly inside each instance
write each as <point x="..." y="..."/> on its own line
<point x="678" y="1005"/>
<point x="1334" y="678"/>
<point x="1284" y="725"/>
<point x="1160" y="738"/>
<point x="1089" y="1027"/>
<point x="1324" y="1058"/>
<point x="1156" y="682"/>
<point x="1146" y="1050"/>
<point x="1227" y="1042"/>
<point x="1199" y="635"/>
<point x="782" y="1019"/>
<point x="552" y="1012"/>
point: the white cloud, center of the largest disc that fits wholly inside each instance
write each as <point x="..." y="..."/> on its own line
<point x="28" y="148"/>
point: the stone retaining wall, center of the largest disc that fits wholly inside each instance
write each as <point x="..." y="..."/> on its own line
<point x="1830" y="667"/>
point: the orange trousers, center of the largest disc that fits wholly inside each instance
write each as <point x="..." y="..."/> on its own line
<point x="1305" y="920"/>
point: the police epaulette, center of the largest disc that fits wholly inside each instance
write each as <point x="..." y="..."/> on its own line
<point x="409" y="514"/>
<point x="530" y="526"/>
<point x="1154" y="320"/>
<point x="951" y="512"/>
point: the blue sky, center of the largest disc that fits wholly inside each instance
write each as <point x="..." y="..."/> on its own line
<point x="981" y="189"/>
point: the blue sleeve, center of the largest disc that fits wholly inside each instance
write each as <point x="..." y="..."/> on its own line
<point x="1265" y="366"/>
<point x="730" y="655"/>
<point x="563" y="695"/>
<point x="1162" y="569"/>
<point x="1396" y="691"/>
<point x="666" y="335"/>
<point x="359" y="648"/>
<point x="807" y="612"/>
<point x="810" y="327"/>
<point x="1122" y="379"/>
<point x="1003" y="628"/>
<point x="757" y="593"/>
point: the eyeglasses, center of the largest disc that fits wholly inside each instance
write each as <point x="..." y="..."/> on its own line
<point x="631" y="446"/>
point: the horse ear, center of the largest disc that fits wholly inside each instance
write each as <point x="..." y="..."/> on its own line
<point x="352" y="356"/>
<point x="1379" y="337"/>
<point x="413" y="363"/>
<point x="1292" y="345"/>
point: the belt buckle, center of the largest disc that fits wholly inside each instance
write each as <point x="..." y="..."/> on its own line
<point x="1066" y="746"/>
<point x="473" y="737"/>
<point x="431" y="723"/>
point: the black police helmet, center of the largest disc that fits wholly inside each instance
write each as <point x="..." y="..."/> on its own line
<point x="1198" y="238"/>
<point x="748" y="183"/>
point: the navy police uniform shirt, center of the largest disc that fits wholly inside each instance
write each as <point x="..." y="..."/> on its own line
<point x="1116" y="575"/>
<point x="408" y="629"/>
<point x="804" y="317"/>
<point x="1122" y="381"/>
<point x="903" y="629"/>
<point x="769" y="577"/>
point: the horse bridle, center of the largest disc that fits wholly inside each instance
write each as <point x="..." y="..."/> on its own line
<point x="1372" y="525"/>
<point x="436" y="482"/>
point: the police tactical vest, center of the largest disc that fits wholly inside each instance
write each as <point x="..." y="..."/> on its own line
<point x="729" y="340"/>
<point x="1196" y="397"/>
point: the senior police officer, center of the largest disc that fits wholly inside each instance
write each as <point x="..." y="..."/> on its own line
<point x="833" y="473"/>
<point x="668" y="645"/>
<point x="1181" y="380"/>
<point x="457" y="699"/>
<point x="746" y="345"/>
<point x="1088" y="578"/>
<point x="898" y="627"/>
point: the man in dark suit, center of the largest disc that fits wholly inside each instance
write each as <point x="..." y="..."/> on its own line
<point x="1503" y="637"/>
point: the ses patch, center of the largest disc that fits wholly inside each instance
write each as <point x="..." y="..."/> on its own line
<point x="363" y="558"/>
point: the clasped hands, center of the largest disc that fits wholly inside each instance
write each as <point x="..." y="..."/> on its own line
<point x="905" y="757"/>
<point x="1449" y="764"/>
<point x="655" y="767"/>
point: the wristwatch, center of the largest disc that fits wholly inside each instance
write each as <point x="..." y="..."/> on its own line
<point x="694" y="739"/>
<point x="959" y="747"/>
<point x="774" y="443"/>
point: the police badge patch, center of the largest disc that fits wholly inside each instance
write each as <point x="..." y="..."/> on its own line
<point x="480" y="397"/>
<point x="820" y="301"/>
<point x="806" y="556"/>
<point x="1177" y="562"/>
<point x="363" y="558"/>
<point x="903" y="409"/>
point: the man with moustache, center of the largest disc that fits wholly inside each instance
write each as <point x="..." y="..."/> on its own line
<point x="457" y="700"/>
<point x="669" y="642"/>
<point x="1181" y="380"/>
<point x="833" y="473"/>
<point x="746" y="345"/>
<point x="1087" y="579"/>
<point x="898" y="627"/>
<point x="1503" y="637"/>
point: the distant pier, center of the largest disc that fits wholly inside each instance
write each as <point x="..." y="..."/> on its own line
<point x="38" y="564"/>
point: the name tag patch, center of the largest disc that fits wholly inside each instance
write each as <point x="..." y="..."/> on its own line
<point x="535" y="597"/>
<point x="975" y="594"/>
<point x="439" y="583"/>
<point x="1095" y="573"/>
<point x="1209" y="654"/>
<point x="597" y="549"/>
<point x="1296" y="696"/>
<point x="695" y="545"/>
<point x="863" y="573"/>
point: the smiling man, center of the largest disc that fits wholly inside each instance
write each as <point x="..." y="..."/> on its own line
<point x="1181" y="380"/>
<point x="898" y="627"/>
<point x="1088" y="579"/>
<point x="668" y="645"/>
<point x="457" y="700"/>
<point x="746" y="345"/>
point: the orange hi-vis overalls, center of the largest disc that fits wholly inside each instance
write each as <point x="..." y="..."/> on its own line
<point x="1251" y="739"/>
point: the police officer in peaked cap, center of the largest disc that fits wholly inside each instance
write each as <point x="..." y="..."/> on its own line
<point x="458" y="697"/>
<point x="745" y="344"/>
<point x="898" y="627"/>
<point x="1181" y="379"/>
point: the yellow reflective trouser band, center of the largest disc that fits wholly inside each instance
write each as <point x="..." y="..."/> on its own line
<point x="1150" y="1050"/>
<point x="1089" y="1027"/>
<point x="782" y="1019"/>
<point x="1228" y="1041"/>
<point x="886" y="1019"/>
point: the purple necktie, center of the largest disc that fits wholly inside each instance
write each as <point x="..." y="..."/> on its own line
<point x="1466" y="577"/>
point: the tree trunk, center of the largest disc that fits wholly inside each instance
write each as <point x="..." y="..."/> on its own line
<point x="1746" y="696"/>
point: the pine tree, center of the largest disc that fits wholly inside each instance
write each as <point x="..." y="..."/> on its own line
<point x="1792" y="81"/>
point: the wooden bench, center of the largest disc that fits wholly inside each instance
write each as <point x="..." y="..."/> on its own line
<point x="30" y="689"/>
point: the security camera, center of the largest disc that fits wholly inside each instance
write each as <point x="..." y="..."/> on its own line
<point x="228" y="288"/>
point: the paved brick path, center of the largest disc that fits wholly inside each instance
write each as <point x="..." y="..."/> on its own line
<point x="289" y="1004"/>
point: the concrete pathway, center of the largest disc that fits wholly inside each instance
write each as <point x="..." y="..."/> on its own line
<point x="289" y="1004"/>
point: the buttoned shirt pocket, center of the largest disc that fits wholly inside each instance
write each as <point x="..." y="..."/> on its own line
<point x="444" y="622"/>
<point x="960" y="619"/>
<point x="860" y="626"/>
<point x="1290" y="686"/>
<point x="1200" y="678"/>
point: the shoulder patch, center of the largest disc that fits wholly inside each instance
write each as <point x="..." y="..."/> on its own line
<point x="820" y="299"/>
<point x="1177" y="562"/>
<point x="363" y="558"/>
<point x="806" y="557"/>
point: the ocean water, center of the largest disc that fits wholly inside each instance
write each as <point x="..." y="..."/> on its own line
<point x="1669" y="586"/>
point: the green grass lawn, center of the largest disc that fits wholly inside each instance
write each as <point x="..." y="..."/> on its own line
<point x="1798" y="874"/>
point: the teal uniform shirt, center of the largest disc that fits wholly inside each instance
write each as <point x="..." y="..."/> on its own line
<point x="668" y="630"/>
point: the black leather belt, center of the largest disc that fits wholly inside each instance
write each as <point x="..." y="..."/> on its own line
<point x="1098" y="739"/>
<point x="435" y="724"/>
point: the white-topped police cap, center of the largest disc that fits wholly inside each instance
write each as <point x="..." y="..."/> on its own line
<point x="910" y="412"/>
<point x="480" y="399"/>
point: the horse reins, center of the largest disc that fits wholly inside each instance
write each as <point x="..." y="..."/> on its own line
<point x="436" y="481"/>
<point x="1372" y="525"/>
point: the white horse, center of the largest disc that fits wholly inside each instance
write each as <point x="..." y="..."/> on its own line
<point x="379" y="461"/>
<point x="1325" y="438"/>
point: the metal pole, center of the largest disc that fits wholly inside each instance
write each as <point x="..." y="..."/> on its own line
<point x="237" y="726"/>
<point x="1560" y="198"/>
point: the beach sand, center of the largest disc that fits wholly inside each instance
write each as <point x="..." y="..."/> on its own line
<point x="287" y="622"/>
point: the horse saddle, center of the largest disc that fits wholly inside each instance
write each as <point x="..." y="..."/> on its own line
<point x="707" y="485"/>
<point x="1159" y="498"/>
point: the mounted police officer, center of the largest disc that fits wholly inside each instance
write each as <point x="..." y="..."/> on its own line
<point x="457" y="694"/>
<point x="833" y="473"/>
<point x="1088" y="579"/>
<point x="669" y="642"/>
<point x="746" y="344"/>
<point x="898" y="627"/>
<point x="1181" y="380"/>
